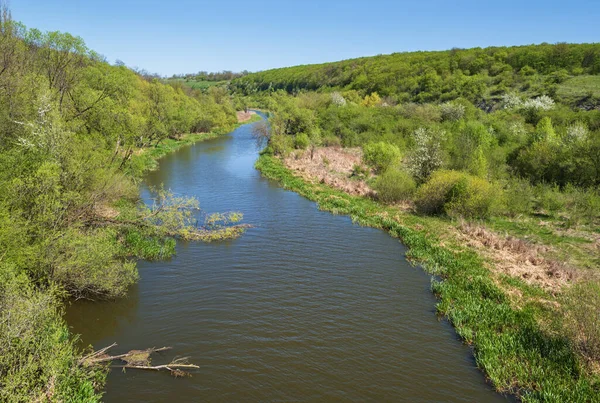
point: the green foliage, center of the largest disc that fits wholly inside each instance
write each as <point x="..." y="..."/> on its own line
<point x="394" y="185"/>
<point x="457" y="194"/>
<point x="381" y="156"/>
<point x="76" y="135"/>
<point x="301" y="141"/>
<point x="88" y="264"/>
<point x="434" y="76"/>
<point x="38" y="358"/>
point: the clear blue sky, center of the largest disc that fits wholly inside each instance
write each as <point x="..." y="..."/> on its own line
<point x="180" y="36"/>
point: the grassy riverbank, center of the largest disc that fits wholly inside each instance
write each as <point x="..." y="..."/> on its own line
<point x="511" y="342"/>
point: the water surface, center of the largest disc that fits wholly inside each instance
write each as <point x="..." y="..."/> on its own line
<point x="305" y="307"/>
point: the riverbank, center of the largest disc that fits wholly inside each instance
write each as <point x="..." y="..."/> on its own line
<point x="510" y="332"/>
<point x="58" y="354"/>
<point x="244" y="117"/>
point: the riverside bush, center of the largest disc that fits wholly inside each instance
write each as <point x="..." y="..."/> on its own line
<point x="457" y="194"/>
<point x="301" y="141"/>
<point x="381" y="155"/>
<point x="394" y="185"/>
<point x="38" y="359"/>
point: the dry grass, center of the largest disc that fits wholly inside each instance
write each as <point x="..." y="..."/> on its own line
<point x="518" y="258"/>
<point x="332" y="166"/>
<point x="244" y="116"/>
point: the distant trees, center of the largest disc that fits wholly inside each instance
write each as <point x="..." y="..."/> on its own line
<point x="474" y="74"/>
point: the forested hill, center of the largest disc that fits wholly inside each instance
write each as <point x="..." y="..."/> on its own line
<point x="475" y="74"/>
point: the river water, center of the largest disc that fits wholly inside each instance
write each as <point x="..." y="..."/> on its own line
<point x="305" y="307"/>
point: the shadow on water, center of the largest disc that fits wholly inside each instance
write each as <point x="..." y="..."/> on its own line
<point x="306" y="306"/>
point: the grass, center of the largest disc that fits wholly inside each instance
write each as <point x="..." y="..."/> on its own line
<point x="579" y="87"/>
<point x="510" y="345"/>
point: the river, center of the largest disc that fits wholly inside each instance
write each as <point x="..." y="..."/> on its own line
<point x="304" y="307"/>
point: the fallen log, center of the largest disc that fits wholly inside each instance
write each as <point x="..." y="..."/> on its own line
<point x="138" y="359"/>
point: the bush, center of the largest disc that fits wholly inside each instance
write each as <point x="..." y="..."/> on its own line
<point x="549" y="199"/>
<point x="394" y="185"/>
<point x="89" y="263"/>
<point x="38" y="358"/>
<point x="457" y="194"/>
<point x="280" y="144"/>
<point x="518" y="197"/>
<point x="426" y="157"/>
<point x="301" y="141"/>
<point x="452" y="112"/>
<point x="380" y="156"/>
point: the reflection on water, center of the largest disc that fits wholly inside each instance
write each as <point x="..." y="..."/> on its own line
<point x="306" y="306"/>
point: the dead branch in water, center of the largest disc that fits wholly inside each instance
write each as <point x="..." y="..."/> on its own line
<point x="138" y="359"/>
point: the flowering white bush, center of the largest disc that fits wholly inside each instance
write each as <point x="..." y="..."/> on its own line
<point x="427" y="155"/>
<point x="452" y="112"/>
<point x="517" y="129"/>
<point x="337" y="99"/>
<point x="513" y="101"/>
<point x="544" y="103"/>
<point x="577" y="131"/>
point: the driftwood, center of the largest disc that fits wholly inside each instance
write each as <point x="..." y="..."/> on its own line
<point x="138" y="359"/>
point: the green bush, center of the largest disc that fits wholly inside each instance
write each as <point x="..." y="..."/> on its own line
<point x="457" y="194"/>
<point x="301" y="141"/>
<point x="280" y="144"/>
<point x="38" y="358"/>
<point x="395" y="185"/>
<point x="332" y="141"/>
<point x="518" y="197"/>
<point x="381" y="155"/>
<point x="89" y="264"/>
<point x="549" y="199"/>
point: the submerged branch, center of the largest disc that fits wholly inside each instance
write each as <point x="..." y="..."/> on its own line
<point x="138" y="359"/>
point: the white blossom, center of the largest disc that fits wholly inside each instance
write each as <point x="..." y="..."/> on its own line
<point x="513" y="101"/>
<point x="452" y="112"/>
<point x="337" y="99"/>
<point x="577" y="132"/>
<point x="426" y="157"/>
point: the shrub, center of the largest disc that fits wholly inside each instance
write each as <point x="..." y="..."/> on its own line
<point x="331" y="141"/>
<point x="426" y="157"/>
<point x="38" y="358"/>
<point x="280" y="144"/>
<point x="518" y="197"/>
<point x="549" y="199"/>
<point x="583" y="205"/>
<point x="457" y="194"/>
<point x="394" y="185"/>
<point x="88" y="263"/>
<point x="301" y="141"/>
<point x="337" y="99"/>
<point x="381" y="155"/>
<point x="452" y="112"/>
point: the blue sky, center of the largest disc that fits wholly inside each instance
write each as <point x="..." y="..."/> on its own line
<point x="180" y="36"/>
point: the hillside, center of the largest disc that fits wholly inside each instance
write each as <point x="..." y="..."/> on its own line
<point x="478" y="75"/>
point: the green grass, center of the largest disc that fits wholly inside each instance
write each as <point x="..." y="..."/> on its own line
<point x="579" y="87"/>
<point x="509" y="345"/>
